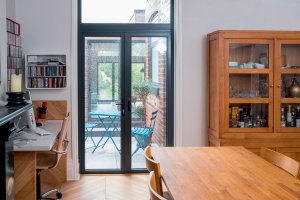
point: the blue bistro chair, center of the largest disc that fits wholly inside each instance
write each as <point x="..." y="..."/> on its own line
<point x="143" y="135"/>
<point x="89" y="131"/>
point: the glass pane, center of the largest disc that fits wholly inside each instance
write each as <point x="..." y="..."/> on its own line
<point x="249" y="56"/>
<point x="149" y="95"/>
<point x="248" y="115"/>
<point x="290" y="115"/>
<point x="102" y="90"/>
<point x="125" y="11"/>
<point x="105" y="81"/>
<point x="290" y="86"/>
<point x="248" y="86"/>
<point x="290" y="58"/>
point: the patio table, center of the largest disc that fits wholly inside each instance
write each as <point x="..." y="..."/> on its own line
<point x="112" y="117"/>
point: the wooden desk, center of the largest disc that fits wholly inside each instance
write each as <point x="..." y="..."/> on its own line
<point x="223" y="173"/>
<point x="25" y="159"/>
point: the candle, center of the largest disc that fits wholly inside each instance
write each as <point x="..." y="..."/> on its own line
<point x="16" y="83"/>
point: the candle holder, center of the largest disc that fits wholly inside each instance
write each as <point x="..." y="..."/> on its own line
<point x="16" y="99"/>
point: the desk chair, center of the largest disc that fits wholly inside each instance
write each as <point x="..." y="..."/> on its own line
<point x="49" y="160"/>
<point x="282" y="161"/>
<point x="143" y="135"/>
<point x="153" y="188"/>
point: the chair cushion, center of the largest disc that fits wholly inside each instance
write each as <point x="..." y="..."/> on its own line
<point x="45" y="160"/>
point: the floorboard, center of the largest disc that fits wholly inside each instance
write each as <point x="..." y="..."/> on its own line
<point x="107" y="187"/>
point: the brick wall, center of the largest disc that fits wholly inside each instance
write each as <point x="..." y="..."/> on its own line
<point x="158" y="103"/>
<point x="162" y="7"/>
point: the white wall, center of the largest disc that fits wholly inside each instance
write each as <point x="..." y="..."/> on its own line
<point x="46" y="29"/>
<point x="3" y="50"/>
<point x="10" y="9"/>
<point x="7" y="10"/>
<point x="205" y="16"/>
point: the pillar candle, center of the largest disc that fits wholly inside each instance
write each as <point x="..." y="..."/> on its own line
<point x="16" y="83"/>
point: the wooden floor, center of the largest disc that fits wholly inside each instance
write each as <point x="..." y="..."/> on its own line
<point x="107" y="187"/>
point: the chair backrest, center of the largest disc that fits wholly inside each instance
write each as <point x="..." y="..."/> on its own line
<point x="282" y="161"/>
<point x="153" y="188"/>
<point x="153" y="119"/>
<point x="153" y="165"/>
<point x="63" y="133"/>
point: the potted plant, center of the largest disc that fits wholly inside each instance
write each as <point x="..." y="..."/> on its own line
<point x="141" y="91"/>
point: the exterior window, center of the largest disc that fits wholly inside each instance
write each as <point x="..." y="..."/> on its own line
<point x="158" y="49"/>
<point x="125" y="11"/>
<point x="154" y="69"/>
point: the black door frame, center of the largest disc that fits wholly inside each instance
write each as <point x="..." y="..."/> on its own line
<point x="125" y="32"/>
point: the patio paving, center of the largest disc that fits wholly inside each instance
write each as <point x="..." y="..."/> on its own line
<point x="108" y="157"/>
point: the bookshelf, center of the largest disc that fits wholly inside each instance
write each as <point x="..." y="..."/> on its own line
<point x="46" y="72"/>
<point x="14" y="50"/>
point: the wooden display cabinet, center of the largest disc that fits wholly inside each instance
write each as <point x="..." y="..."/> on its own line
<point x="254" y="90"/>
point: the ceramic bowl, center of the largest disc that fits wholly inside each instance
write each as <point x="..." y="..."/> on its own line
<point x="259" y="66"/>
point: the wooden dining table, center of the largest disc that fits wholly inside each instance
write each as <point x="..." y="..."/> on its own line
<point x="223" y="173"/>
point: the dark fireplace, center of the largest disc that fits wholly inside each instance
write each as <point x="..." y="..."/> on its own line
<point x="7" y="128"/>
<point x="9" y="170"/>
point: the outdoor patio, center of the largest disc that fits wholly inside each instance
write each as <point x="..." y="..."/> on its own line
<point x="109" y="157"/>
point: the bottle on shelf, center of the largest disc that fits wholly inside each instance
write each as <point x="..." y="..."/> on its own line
<point x="239" y="117"/>
<point x="246" y="120"/>
<point x="258" y="122"/>
<point x="298" y="117"/>
<point x="242" y="119"/>
<point x="282" y="118"/>
<point x="289" y="116"/>
<point x="293" y="122"/>
<point x="237" y="120"/>
<point x="234" y="112"/>
<point x="251" y="119"/>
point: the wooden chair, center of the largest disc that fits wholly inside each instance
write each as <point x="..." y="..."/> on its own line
<point x="282" y="161"/>
<point x="49" y="160"/>
<point x="153" y="165"/>
<point x="153" y="187"/>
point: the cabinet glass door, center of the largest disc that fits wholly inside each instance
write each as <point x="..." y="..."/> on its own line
<point x="249" y="85"/>
<point x="248" y="56"/>
<point x="288" y="87"/>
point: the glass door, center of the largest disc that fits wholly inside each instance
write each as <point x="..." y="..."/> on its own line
<point x="102" y="103"/>
<point x="125" y="80"/>
<point x="149" y="100"/>
<point x="125" y="102"/>
<point x="249" y="85"/>
<point x="288" y="86"/>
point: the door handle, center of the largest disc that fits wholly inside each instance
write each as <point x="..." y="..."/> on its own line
<point x="122" y="106"/>
<point x="129" y="105"/>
